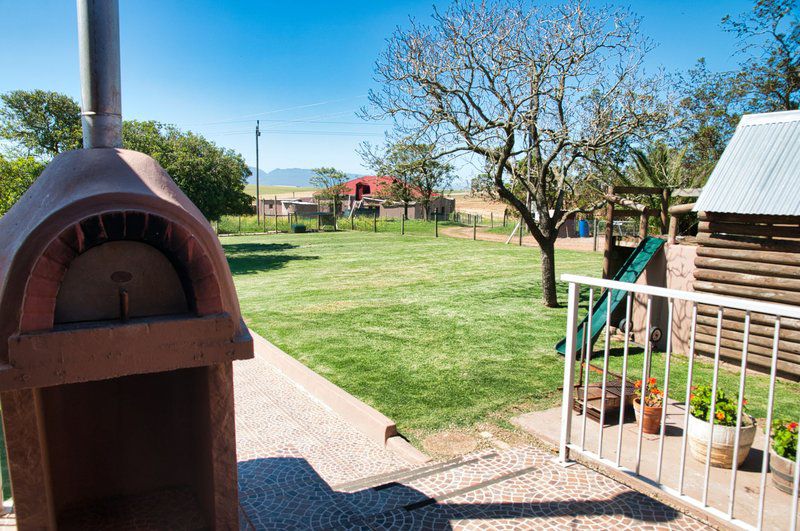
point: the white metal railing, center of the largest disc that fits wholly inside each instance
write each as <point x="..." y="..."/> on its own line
<point x="745" y="506"/>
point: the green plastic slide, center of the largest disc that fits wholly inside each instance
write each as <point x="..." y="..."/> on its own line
<point x="629" y="272"/>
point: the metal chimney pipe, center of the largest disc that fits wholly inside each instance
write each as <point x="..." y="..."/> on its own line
<point x="98" y="44"/>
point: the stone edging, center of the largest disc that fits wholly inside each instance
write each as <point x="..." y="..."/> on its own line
<point x="366" y="419"/>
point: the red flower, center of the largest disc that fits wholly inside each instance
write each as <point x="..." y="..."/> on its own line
<point x="792" y="426"/>
<point x="651" y="381"/>
<point x="691" y="396"/>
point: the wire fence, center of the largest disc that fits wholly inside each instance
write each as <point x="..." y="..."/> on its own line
<point x="326" y="222"/>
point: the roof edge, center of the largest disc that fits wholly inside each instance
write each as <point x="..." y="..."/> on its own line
<point x="770" y="118"/>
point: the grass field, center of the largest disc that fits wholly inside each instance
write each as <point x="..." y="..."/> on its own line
<point x="434" y="333"/>
<point x="270" y="190"/>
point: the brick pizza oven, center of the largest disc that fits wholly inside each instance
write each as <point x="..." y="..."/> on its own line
<point x="119" y="324"/>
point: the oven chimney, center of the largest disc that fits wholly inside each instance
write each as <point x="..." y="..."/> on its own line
<point x="98" y="43"/>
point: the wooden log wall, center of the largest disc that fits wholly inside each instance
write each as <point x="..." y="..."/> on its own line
<point x="754" y="257"/>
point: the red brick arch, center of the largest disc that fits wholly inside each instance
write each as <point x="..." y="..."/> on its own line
<point x="185" y="252"/>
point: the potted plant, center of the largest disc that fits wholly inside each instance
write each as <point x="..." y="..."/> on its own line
<point x="782" y="454"/>
<point x="724" y="417"/>
<point x="653" y="404"/>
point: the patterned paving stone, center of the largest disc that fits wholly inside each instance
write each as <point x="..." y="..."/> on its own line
<point x="292" y="449"/>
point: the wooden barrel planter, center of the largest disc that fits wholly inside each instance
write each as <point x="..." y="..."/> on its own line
<point x="782" y="471"/>
<point x="723" y="443"/>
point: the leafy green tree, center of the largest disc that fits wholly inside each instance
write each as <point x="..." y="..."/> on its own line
<point x="708" y="112"/>
<point x="769" y="40"/>
<point x="43" y="123"/>
<point x="213" y="177"/>
<point x="659" y="166"/>
<point x="16" y="176"/>
<point x="331" y="183"/>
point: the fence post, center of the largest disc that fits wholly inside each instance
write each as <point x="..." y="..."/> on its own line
<point x="520" y="231"/>
<point x="319" y="222"/>
<point x="402" y="225"/>
<point x="491" y="218"/>
<point x="569" y="371"/>
<point x="474" y="227"/>
<point x="594" y="236"/>
<point x="288" y="222"/>
<point x="375" y="221"/>
<point x="240" y="223"/>
<point x="504" y="218"/>
<point x="436" y="225"/>
<point x="352" y="221"/>
<point x="276" y="213"/>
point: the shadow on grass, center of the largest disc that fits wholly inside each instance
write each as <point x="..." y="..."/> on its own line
<point x="246" y="258"/>
<point x="237" y="248"/>
<point x="620" y="351"/>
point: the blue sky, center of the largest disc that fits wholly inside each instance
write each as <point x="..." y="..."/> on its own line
<point x="215" y="66"/>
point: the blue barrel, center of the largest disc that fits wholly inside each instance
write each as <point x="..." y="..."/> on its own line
<point x="583" y="228"/>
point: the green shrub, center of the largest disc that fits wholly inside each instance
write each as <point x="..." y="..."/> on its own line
<point x="784" y="438"/>
<point x="725" y="406"/>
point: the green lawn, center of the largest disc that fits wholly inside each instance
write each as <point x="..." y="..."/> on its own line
<point x="432" y="332"/>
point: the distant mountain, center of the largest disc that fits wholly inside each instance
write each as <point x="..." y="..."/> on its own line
<point x="287" y="176"/>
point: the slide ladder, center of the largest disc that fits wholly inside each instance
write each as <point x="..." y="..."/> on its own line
<point x="629" y="272"/>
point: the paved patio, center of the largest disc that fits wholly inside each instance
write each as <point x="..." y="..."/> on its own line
<point x="302" y="467"/>
<point x="545" y="425"/>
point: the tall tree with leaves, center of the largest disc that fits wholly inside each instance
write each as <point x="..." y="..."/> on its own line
<point x="213" y="177"/>
<point x="41" y="123"/>
<point x="553" y="84"/>
<point x="16" y="176"/>
<point x="331" y="183"/>
<point x="418" y="175"/>
<point x="769" y="39"/>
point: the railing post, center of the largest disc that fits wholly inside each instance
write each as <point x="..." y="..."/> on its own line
<point x="569" y="371"/>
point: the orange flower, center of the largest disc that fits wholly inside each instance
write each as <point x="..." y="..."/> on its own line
<point x="638" y="383"/>
<point x="691" y="396"/>
<point x="651" y="381"/>
<point x="744" y="402"/>
<point x="720" y="415"/>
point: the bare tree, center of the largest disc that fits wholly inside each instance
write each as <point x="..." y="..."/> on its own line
<point x="331" y="183"/>
<point x="554" y="87"/>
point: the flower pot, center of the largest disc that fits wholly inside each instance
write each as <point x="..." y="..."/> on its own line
<point x="782" y="471"/>
<point x="723" y="443"/>
<point x="652" y="417"/>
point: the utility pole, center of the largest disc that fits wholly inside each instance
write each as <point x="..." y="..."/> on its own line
<point x="258" y="187"/>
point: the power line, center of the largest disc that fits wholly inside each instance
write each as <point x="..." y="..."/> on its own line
<point x="296" y="132"/>
<point x="275" y="111"/>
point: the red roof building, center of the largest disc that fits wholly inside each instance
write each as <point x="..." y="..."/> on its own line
<point x="367" y="185"/>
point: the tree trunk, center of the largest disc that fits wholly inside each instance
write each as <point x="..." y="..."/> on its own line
<point x="549" y="294"/>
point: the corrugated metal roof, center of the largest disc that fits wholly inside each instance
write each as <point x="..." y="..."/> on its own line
<point x="759" y="171"/>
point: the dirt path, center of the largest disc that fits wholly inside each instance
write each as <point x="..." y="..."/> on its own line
<point x="574" y="244"/>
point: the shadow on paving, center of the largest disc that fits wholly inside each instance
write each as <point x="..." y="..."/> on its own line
<point x="244" y="258"/>
<point x="287" y="493"/>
